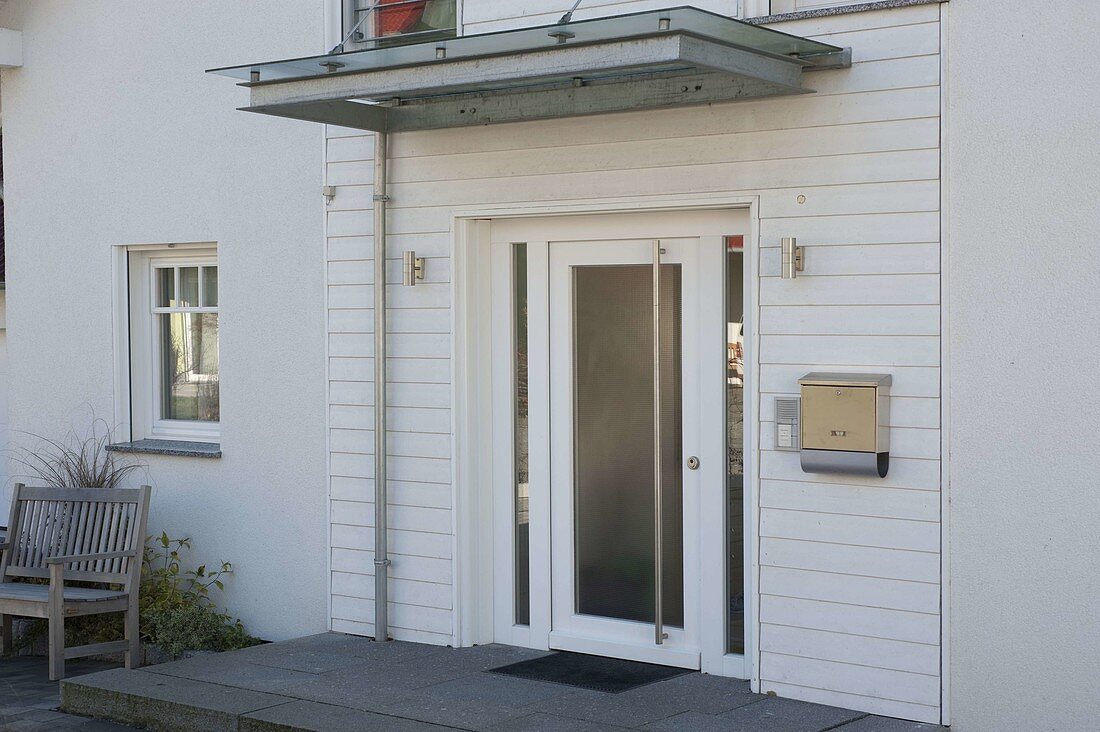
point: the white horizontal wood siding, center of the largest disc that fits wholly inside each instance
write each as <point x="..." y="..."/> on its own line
<point x="481" y="16"/>
<point x="850" y="568"/>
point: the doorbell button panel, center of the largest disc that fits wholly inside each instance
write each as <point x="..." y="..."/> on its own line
<point x="786" y="424"/>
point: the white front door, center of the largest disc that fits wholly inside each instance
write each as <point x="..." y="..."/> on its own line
<point x="575" y="514"/>
<point x="603" y="494"/>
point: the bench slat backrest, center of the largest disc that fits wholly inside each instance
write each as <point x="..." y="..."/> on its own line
<point x="53" y="522"/>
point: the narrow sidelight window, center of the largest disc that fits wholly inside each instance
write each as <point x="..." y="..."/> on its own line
<point x="521" y="462"/>
<point x="735" y="439"/>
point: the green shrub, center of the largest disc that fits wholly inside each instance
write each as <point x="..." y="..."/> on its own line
<point x="195" y="627"/>
<point x="177" y="612"/>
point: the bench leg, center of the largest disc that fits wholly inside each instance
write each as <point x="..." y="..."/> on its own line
<point x="56" y="612"/>
<point x="57" y="645"/>
<point x="133" y="639"/>
<point x="5" y="631"/>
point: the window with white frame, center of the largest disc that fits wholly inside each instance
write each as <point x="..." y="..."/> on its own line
<point x="173" y="349"/>
<point x="369" y="23"/>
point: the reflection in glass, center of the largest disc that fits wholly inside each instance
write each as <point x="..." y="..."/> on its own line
<point x="522" y="492"/>
<point x="403" y="21"/>
<point x="735" y="441"/>
<point x="613" y="442"/>
<point x="189" y="366"/>
<point x="189" y="287"/>
<point x="210" y="287"/>
<point x="166" y="287"/>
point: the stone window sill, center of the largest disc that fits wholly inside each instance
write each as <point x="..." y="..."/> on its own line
<point x="175" y="448"/>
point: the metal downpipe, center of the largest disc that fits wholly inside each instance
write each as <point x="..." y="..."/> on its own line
<point x="381" y="538"/>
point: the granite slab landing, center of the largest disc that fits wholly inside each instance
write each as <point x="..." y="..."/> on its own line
<point x="333" y="682"/>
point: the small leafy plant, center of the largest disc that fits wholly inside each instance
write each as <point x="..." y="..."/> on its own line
<point x="165" y="584"/>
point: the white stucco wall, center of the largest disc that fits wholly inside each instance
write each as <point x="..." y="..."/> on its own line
<point x="1024" y="338"/>
<point x="5" y="387"/>
<point x="114" y="135"/>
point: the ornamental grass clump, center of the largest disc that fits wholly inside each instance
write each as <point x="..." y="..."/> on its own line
<point x="77" y="461"/>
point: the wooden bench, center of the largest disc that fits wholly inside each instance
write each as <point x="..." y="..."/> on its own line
<point x="74" y="535"/>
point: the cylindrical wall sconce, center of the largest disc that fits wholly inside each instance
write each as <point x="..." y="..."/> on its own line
<point x="792" y="258"/>
<point x="413" y="269"/>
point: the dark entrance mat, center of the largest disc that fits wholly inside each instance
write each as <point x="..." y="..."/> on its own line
<point x="612" y="675"/>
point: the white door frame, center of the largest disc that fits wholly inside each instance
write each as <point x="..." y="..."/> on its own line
<point x="607" y="636"/>
<point x="475" y="604"/>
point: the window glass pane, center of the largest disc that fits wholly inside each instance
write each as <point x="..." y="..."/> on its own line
<point x="166" y="287"/>
<point x="189" y="366"/>
<point x="403" y="21"/>
<point x="189" y="287"/>
<point x="210" y="287"/>
<point x="522" y="477"/>
<point x="613" y="461"/>
<point x="735" y="442"/>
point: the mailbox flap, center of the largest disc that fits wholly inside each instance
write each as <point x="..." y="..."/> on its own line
<point x="839" y="417"/>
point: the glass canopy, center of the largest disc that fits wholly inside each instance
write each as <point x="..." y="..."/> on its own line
<point x="676" y="57"/>
<point x="635" y="25"/>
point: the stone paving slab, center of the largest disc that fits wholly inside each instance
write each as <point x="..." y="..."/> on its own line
<point x="338" y="682"/>
<point x="304" y="715"/>
<point x="872" y="723"/>
<point x="770" y="714"/>
<point x="29" y="700"/>
<point x="474" y="702"/>
<point x="550" y="723"/>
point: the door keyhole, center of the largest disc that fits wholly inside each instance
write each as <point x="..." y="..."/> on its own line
<point x="693" y="463"/>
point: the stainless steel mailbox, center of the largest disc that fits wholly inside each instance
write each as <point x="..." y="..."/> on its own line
<point x="845" y="425"/>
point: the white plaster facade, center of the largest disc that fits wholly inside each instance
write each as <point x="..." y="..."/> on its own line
<point x="937" y="194"/>
<point x="127" y="141"/>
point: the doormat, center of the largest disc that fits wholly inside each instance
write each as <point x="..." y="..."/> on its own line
<point x="612" y="675"/>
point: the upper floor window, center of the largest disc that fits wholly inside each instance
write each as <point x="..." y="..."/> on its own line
<point x="387" y="22"/>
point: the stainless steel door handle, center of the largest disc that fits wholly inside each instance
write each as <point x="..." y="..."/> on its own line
<point x="693" y="463"/>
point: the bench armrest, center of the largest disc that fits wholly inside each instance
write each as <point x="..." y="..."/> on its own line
<point x="70" y="558"/>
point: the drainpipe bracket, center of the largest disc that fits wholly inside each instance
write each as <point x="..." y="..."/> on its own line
<point x="382" y="562"/>
<point x="383" y="198"/>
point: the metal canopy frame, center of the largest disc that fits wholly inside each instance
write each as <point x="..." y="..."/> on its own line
<point x="656" y="59"/>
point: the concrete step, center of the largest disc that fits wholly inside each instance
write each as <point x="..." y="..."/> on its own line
<point x="172" y="704"/>
<point x="152" y="701"/>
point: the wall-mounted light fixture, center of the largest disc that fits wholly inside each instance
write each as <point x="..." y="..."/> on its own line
<point x="413" y="269"/>
<point x="792" y="258"/>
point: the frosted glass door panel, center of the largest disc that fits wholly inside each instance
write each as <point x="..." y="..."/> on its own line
<point x="613" y="442"/>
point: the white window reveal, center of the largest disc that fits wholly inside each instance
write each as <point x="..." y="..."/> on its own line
<point x="778" y="7"/>
<point x="174" y="359"/>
